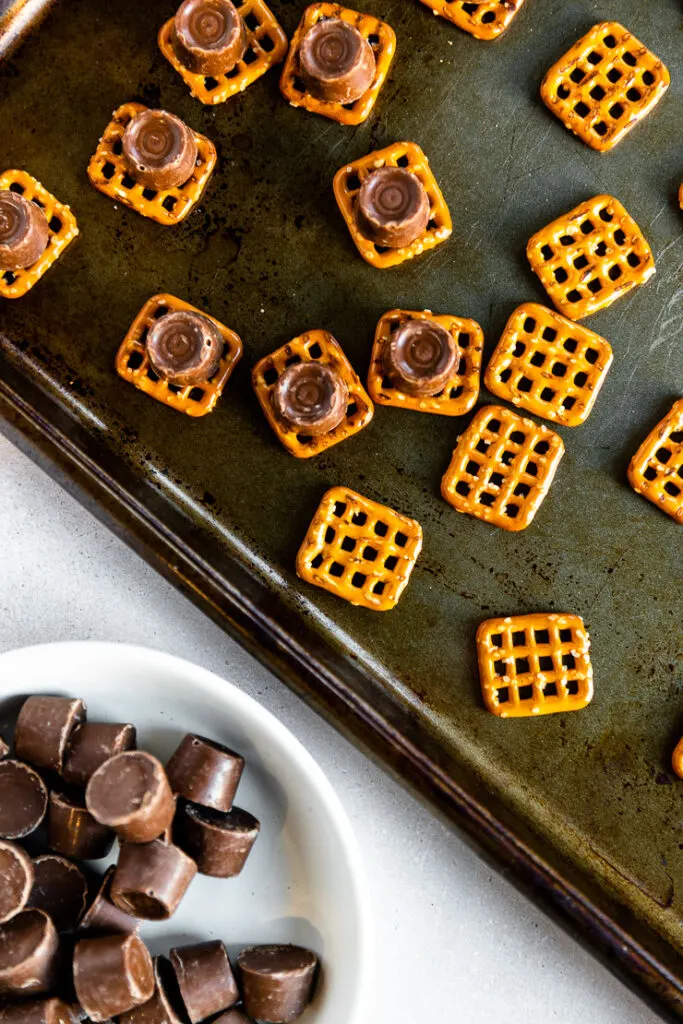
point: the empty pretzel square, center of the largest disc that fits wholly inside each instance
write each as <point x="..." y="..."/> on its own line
<point x="379" y="35"/>
<point x="486" y="19"/>
<point x="656" y="470"/>
<point x="589" y="257"/>
<point x="548" y="365"/>
<point x="605" y="85"/>
<point x="314" y="346"/>
<point x="347" y="183"/>
<point x="107" y="172"/>
<point x="62" y="228"/>
<point x="266" y="46"/>
<point x="132" y="362"/>
<point x="502" y="468"/>
<point x="534" y="665"/>
<point x="359" y="550"/>
<point x="459" y="394"/>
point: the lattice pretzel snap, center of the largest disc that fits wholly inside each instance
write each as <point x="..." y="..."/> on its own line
<point x="460" y="393"/>
<point x="359" y="550"/>
<point x="62" y="229"/>
<point x="132" y="362"/>
<point x="548" y="365"/>
<point x="656" y="470"/>
<point x="266" y="46"/>
<point x="486" y="19"/>
<point x="107" y="172"/>
<point x="590" y="256"/>
<point x="534" y="665"/>
<point x="605" y="85"/>
<point x="379" y="35"/>
<point x="502" y="468"/>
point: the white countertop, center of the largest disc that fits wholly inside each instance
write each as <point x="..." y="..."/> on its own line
<point x="457" y="944"/>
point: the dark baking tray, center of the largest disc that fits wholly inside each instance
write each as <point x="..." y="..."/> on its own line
<point x="583" y="808"/>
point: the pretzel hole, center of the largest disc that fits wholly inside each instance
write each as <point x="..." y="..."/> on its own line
<point x="577" y="75"/>
<point x="521" y="666"/>
<point x="537" y="359"/>
<point x="547" y="395"/>
<point x="211" y="83"/>
<point x="381" y="249"/>
<point x="379" y="587"/>
<point x="633" y="260"/>
<point x="672" y="489"/>
<point x="568" y="661"/>
<point x="561" y="275"/>
<point x="614" y="74"/>
<point x="519" y="638"/>
<point x="381" y="529"/>
<point x="250" y="56"/>
<point x="497" y="639"/>
<point x="159" y="312"/>
<point x="16" y="187"/>
<point x="619" y="236"/>
<point x="470" y="8"/>
<point x="493" y="425"/>
<point x="505" y="375"/>
<point x="9" y="277"/>
<point x="330" y="534"/>
<point x="545" y="662"/>
<point x="648" y="78"/>
<point x="565" y="636"/>
<point x="507" y="458"/>
<point x="270" y="376"/>
<point x="339" y="509"/>
<point x="566" y="240"/>
<point x="580" y="262"/>
<point x="563" y="92"/>
<point x="55" y="225"/>
<point x="531" y="469"/>
<point x="370" y="553"/>
<point x="542" y="448"/>
<point x="542" y="636"/>
<point x="400" y="539"/>
<point x="517" y="437"/>
<point x="633" y="95"/>
<point x="676" y="436"/>
<point x="524" y="384"/>
<point x="580" y="379"/>
<point x="496" y="480"/>
<point x="663" y="454"/>
<point x="594" y="286"/>
<point x="390" y="563"/>
<point x="550" y="690"/>
<point x="650" y="473"/>
<point x="359" y="518"/>
<point x="314" y="351"/>
<point x="594" y="58"/>
<point x="547" y="252"/>
<point x="601" y="249"/>
<point x="487" y="499"/>
<point x="299" y="84"/>
<point x="549" y="334"/>
<point x="503" y="695"/>
<point x="568" y="402"/>
<point x="572" y="687"/>
<point x="472" y="468"/>
<point x="358" y="579"/>
<point x="519" y="349"/>
<point x="464" y="340"/>
<point x="525" y="692"/>
<point x="597" y="92"/>
<point x="316" y="562"/>
<point x="454" y="392"/>
<point x="530" y="323"/>
<point x="499" y="668"/>
<point x="348" y="544"/>
<point x="108" y="170"/>
<point x="462" y="488"/>
<point x="336" y="569"/>
<point x="304" y="438"/>
<point x="251" y="21"/>
<point x="127" y="181"/>
<point x="373" y="39"/>
<point x="592" y="355"/>
<point x="488" y="17"/>
<point x="403" y="161"/>
<point x="614" y="273"/>
<point x="616" y="111"/>
<point x="134" y="361"/>
<point x="152" y="375"/>
<point x="482" y="446"/>
<point x="175" y="389"/>
<point x="352" y="182"/>
<point x="587" y="226"/>
<point x="559" y="369"/>
<point x="630" y="59"/>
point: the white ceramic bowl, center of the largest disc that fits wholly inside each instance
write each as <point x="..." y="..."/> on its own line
<point x="304" y="881"/>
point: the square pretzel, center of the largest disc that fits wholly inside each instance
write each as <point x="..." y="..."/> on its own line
<point x="534" y="665"/>
<point x="62" y="228"/>
<point x="379" y="35"/>
<point x="486" y="19"/>
<point x="107" y="172"/>
<point x="320" y="347"/>
<point x="359" y="550"/>
<point x="605" y="85"/>
<point x="548" y="365"/>
<point x="589" y="257"/>
<point x="459" y="394"/>
<point x="656" y="470"/>
<point x="132" y="362"/>
<point x="502" y="468"/>
<point x="266" y="46"/>
<point x="347" y="183"/>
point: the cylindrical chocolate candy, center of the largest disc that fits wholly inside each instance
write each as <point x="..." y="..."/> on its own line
<point x="209" y="37"/>
<point x="420" y="356"/>
<point x="205" y="772"/>
<point x="24" y="232"/>
<point x="72" y="830"/>
<point x="205" y="979"/>
<point x="91" y="745"/>
<point x="29" y="954"/>
<point x="102" y="917"/>
<point x="4" y="748"/>
<point x="159" y="150"/>
<point x="151" y="879"/>
<point x="16" y="879"/>
<point x="277" y="982"/>
<point x="165" y="1006"/>
<point x="336" y="62"/>
<point x="130" y="793"/>
<point x="23" y="799"/>
<point x="112" y="974"/>
<point x="219" y="843"/>
<point x="392" y="207"/>
<point x="310" y="398"/>
<point x="60" y="889"/>
<point x="43" y="730"/>
<point x="184" y="347"/>
<point x="38" y="1011"/>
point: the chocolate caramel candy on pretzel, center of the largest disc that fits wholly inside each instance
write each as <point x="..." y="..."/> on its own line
<point x="205" y="772"/>
<point x="112" y="974"/>
<point x="102" y="917"/>
<point x="44" y="728"/>
<point x="277" y="982"/>
<point x="91" y="744"/>
<point x="130" y="793"/>
<point x="29" y="954"/>
<point x="392" y="207"/>
<point x="205" y="979"/>
<point x="60" y="889"/>
<point x="184" y="347"/>
<point x="219" y="843"/>
<point x="16" y="879"/>
<point x="23" y="799"/>
<point x="310" y="398"/>
<point x="151" y="879"/>
<point x="159" y="149"/>
<point x="336" y="62"/>
<point x="24" y="232"/>
<point x="38" y="1011"/>
<point x="165" y="1006"/>
<point x="209" y="37"/>
<point x="419" y="357"/>
<point x="72" y="830"/>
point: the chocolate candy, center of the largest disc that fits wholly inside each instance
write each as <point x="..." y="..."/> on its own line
<point x="4" y="748"/>
<point x="16" y="879"/>
<point x="60" y="889"/>
<point x="420" y="357"/>
<point x="205" y="979"/>
<point x="165" y="1005"/>
<point x="310" y="398"/>
<point x="23" y="800"/>
<point x="277" y="982"/>
<point x="392" y="207"/>
<point x="24" y="232"/>
<point x="151" y="879"/>
<point x="112" y="974"/>
<point x="29" y="954"/>
<point x="232" y="1017"/>
<point x="184" y="347"/>
<point x="209" y="37"/>
<point x="159" y="150"/>
<point x="38" y="1011"/>
<point x="102" y="916"/>
<point x="91" y="745"/>
<point x="43" y="730"/>
<point x="72" y="830"/>
<point x="219" y="843"/>
<point x="130" y="793"/>
<point x="336" y="62"/>
<point x="205" y="772"/>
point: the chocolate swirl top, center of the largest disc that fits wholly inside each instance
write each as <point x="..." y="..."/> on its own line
<point x="159" y="149"/>
<point x="420" y="357"/>
<point x="392" y="207"/>
<point x="24" y="232"/>
<point x="310" y="398"/>
<point x="184" y="347"/>
<point x="337" y="63"/>
<point x="209" y="37"/>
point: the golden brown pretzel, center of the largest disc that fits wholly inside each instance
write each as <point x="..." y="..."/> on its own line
<point x="656" y="470"/>
<point x="483" y="19"/>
